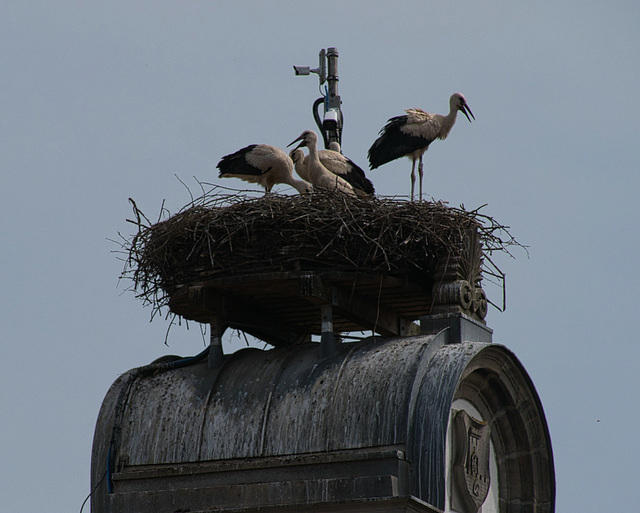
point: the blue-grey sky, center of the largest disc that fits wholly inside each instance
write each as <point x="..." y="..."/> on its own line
<point x="101" y="101"/>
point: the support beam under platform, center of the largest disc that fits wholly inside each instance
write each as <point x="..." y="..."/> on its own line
<point x="318" y="291"/>
<point x="284" y="308"/>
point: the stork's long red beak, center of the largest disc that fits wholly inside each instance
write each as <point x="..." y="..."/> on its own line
<point x="466" y="111"/>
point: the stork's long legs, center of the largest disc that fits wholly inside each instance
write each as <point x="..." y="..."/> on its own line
<point x="420" y="173"/>
<point x="413" y="177"/>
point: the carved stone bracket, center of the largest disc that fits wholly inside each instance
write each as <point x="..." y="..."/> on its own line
<point x="455" y="293"/>
<point x="458" y="280"/>
<point x="479" y="303"/>
<point x="459" y="296"/>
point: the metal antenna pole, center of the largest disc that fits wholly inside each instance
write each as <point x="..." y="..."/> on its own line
<point x="331" y="123"/>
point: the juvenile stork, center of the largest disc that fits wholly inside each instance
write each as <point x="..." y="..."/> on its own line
<point x="338" y="164"/>
<point x="262" y="164"/>
<point x="410" y="135"/>
<point x="315" y="172"/>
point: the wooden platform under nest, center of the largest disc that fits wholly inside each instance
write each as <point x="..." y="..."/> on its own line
<point x="272" y="266"/>
<point x="283" y="307"/>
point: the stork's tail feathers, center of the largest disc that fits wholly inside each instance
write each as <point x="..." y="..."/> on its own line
<point x="377" y="154"/>
<point x="359" y="180"/>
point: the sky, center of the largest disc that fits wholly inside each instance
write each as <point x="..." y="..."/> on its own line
<point x="103" y="101"/>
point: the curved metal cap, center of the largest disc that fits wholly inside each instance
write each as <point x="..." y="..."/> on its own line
<point x="290" y="426"/>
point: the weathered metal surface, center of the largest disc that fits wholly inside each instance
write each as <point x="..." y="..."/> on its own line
<point x="278" y="402"/>
<point x="199" y="428"/>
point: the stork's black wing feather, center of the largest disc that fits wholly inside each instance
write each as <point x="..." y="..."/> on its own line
<point x="236" y="164"/>
<point x="357" y="179"/>
<point x="393" y="143"/>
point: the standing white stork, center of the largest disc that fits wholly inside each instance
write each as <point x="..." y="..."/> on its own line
<point x="262" y="164"/>
<point x="315" y="172"/>
<point x="410" y="135"/>
<point x="338" y="164"/>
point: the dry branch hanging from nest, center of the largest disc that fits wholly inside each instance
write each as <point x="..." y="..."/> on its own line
<point x="221" y="235"/>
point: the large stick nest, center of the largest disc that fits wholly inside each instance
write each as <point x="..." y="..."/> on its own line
<point x="225" y="234"/>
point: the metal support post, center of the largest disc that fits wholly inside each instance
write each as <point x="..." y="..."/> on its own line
<point x="327" y="339"/>
<point x="216" y="356"/>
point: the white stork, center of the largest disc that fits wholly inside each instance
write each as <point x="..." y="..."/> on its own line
<point x="338" y="164"/>
<point x="410" y="135"/>
<point x="262" y="164"/>
<point x="315" y="172"/>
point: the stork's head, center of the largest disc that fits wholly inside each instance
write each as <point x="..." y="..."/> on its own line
<point x="296" y="155"/>
<point x="304" y="187"/>
<point x="458" y="101"/>
<point x="307" y="138"/>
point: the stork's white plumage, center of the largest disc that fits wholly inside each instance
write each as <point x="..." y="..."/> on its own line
<point x="338" y="164"/>
<point x="315" y="172"/>
<point x="410" y="135"/>
<point x="262" y="164"/>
